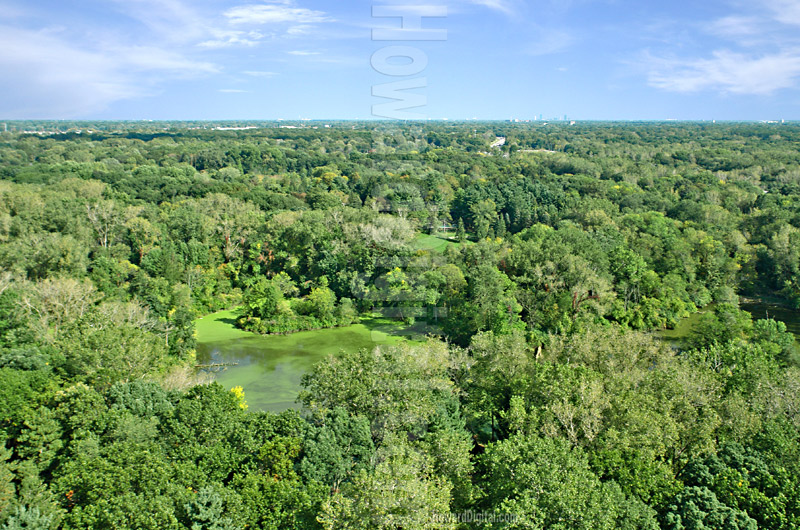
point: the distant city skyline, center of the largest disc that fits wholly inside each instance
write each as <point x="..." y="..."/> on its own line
<point x="484" y="59"/>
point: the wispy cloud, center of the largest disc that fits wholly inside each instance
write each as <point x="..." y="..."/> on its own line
<point x="504" y="6"/>
<point x="726" y="71"/>
<point x="785" y="11"/>
<point x="61" y="71"/>
<point x="148" y="58"/>
<point x="758" y="54"/>
<point x="168" y="20"/>
<point x="47" y="76"/>
<point x="302" y="52"/>
<point x="260" y="14"/>
<point x="11" y="11"/>
<point x="507" y="7"/>
<point x="258" y="73"/>
<point x="225" y="39"/>
<point x="734" y="26"/>
<point x="300" y="29"/>
<point x="548" y="41"/>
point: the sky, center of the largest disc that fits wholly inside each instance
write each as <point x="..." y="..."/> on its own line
<point x="495" y="59"/>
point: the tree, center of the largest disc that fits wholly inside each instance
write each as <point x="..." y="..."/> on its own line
<point x="321" y="304"/>
<point x="699" y="508"/>
<point x="28" y="518"/>
<point x="104" y="220"/>
<point x="341" y="446"/>
<point x="539" y="482"/>
<point x="206" y="511"/>
<point x="400" y="492"/>
<point x="109" y="344"/>
<point x="7" y="489"/>
<point x="263" y="299"/>
<point x="500" y="227"/>
<point x="461" y="234"/>
<point x="396" y="388"/>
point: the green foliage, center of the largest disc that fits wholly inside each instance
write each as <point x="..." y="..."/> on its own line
<point x="341" y="446"/>
<point x="745" y="480"/>
<point x="773" y="337"/>
<point x="561" y="411"/>
<point x="699" y="508"/>
<point x="101" y="351"/>
<point x="21" y="392"/>
<point x="266" y="310"/>
<point x="394" y="388"/>
<point x="402" y="491"/>
<point x="7" y="489"/>
<point x="206" y="511"/>
<point x="541" y="482"/>
<point x="264" y="299"/>
<point x="724" y="324"/>
<point x="28" y="518"/>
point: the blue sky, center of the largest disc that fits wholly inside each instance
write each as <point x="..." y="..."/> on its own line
<point x="257" y="59"/>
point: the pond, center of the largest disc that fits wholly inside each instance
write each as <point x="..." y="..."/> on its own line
<point x="761" y="308"/>
<point x="757" y="307"/>
<point x="269" y="367"/>
<point x="684" y="327"/>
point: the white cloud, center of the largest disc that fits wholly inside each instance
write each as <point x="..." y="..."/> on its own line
<point x="758" y="54"/>
<point x="11" y="11"/>
<point x="736" y="26"/>
<point x="260" y="14"/>
<point x="146" y="58"/>
<point x="254" y="73"/>
<point x="726" y="71"/>
<point x="785" y="11"/>
<point x="135" y="48"/>
<point x="169" y="20"/>
<point x="505" y="6"/>
<point x="47" y="76"/>
<point x="549" y="41"/>
<point x="225" y="39"/>
<point x="301" y="29"/>
<point x="174" y="21"/>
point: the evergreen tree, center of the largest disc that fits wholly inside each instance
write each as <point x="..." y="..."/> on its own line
<point x="461" y="234"/>
<point x="500" y="227"/>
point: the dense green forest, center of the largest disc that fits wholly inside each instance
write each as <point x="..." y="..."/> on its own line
<point x="544" y="396"/>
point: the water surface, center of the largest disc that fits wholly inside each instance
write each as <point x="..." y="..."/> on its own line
<point x="270" y="367"/>
<point x="758" y="307"/>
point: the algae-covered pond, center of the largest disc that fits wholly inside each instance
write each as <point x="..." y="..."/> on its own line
<point x="763" y="309"/>
<point x="758" y="308"/>
<point x="269" y="368"/>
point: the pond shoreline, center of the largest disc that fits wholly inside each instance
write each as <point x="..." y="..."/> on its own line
<point x="759" y="306"/>
<point x="270" y="367"/>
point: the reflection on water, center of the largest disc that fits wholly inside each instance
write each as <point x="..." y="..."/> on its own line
<point x="757" y="308"/>
<point x="761" y="309"/>
<point x="270" y="368"/>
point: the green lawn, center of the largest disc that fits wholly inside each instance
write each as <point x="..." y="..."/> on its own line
<point x="434" y="243"/>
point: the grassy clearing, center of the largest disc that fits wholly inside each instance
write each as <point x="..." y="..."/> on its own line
<point x="434" y="243"/>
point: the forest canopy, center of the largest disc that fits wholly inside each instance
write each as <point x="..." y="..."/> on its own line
<point x="545" y="271"/>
